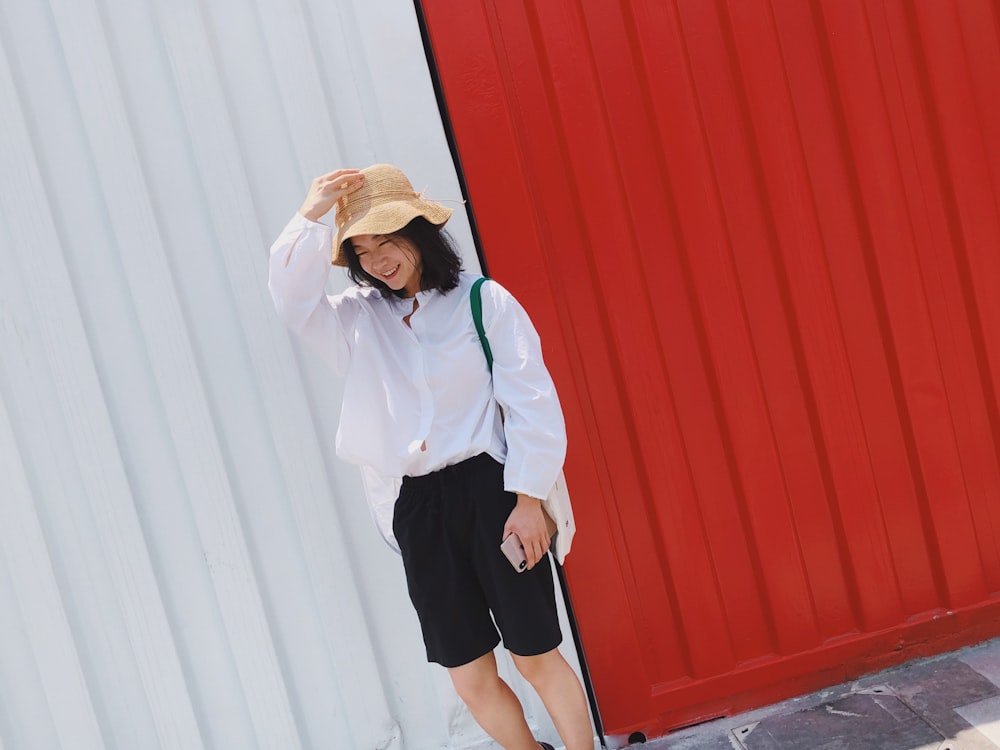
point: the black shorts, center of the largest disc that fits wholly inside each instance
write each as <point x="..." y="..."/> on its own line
<point x="449" y="525"/>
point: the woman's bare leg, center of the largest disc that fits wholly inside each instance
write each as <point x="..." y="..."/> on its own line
<point x="559" y="688"/>
<point x="492" y="703"/>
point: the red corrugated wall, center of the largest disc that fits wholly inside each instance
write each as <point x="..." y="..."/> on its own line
<point x="760" y="239"/>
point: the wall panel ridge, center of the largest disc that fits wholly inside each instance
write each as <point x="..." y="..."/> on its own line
<point x="55" y="373"/>
<point x="37" y="601"/>
<point x="764" y="235"/>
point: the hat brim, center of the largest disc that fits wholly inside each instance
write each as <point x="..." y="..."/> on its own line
<point x="387" y="218"/>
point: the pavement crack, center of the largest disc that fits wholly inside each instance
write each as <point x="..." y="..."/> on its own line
<point x="832" y="710"/>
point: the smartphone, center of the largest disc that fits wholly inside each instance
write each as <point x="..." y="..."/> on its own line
<point x="513" y="550"/>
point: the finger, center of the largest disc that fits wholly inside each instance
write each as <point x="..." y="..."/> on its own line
<point x="338" y="173"/>
<point x="337" y="182"/>
<point x="346" y="188"/>
<point x="354" y="178"/>
<point x="544" y="546"/>
<point x="533" y="553"/>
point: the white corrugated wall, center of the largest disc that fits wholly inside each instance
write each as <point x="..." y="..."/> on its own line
<point x="183" y="562"/>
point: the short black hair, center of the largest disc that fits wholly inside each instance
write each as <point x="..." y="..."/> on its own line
<point x="439" y="258"/>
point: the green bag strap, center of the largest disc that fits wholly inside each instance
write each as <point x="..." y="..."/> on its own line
<point x="476" y="298"/>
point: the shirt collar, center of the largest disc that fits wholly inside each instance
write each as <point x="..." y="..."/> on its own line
<point x="422" y="297"/>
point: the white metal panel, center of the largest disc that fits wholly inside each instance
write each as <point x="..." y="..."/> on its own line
<point x="36" y="621"/>
<point x="183" y="561"/>
<point x="51" y="363"/>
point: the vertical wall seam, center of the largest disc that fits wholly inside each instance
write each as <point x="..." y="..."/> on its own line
<point x="661" y="355"/>
<point x="648" y="309"/>
<point x="848" y="568"/>
<point x="923" y="272"/>
<point x="975" y="105"/>
<point x="708" y="360"/>
<point x="958" y="247"/>
<point x="867" y="247"/>
<point x="768" y="212"/>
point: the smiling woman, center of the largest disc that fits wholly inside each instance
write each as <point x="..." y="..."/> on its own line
<point x="422" y="406"/>
<point x="423" y="247"/>
<point x="393" y="259"/>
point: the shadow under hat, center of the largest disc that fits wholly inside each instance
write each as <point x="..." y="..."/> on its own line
<point x="385" y="203"/>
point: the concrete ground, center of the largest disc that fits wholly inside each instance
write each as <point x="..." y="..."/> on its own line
<point x="947" y="702"/>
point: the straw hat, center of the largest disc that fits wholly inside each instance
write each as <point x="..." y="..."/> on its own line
<point x="385" y="203"/>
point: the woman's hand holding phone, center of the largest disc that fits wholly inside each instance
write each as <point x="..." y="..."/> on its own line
<point x="527" y="521"/>
<point x="513" y="550"/>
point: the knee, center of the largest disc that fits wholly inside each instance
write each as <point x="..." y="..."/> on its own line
<point x="476" y="689"/>
<point x="538" y="670"/>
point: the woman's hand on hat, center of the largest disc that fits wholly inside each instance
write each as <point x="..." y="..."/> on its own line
<point x="327" y="189"/>
<point x="528" y="521"/>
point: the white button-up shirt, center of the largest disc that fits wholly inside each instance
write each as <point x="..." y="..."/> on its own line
<point x="418" y="398"/>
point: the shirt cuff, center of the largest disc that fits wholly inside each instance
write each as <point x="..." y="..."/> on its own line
<point x="309" y="236"/>
<point x="530" y="493"/>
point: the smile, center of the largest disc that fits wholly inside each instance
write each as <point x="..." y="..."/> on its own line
<point x="391" y="271"/>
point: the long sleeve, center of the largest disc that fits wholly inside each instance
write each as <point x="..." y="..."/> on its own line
<point x="299" y="267"/>
<point x="533" y="424"/>
<point x="419" y="397"/>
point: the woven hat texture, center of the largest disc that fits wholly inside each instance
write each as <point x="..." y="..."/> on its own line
<point x="385" y="203"/>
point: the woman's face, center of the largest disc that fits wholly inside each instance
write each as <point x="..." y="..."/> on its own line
<point x="394" y="260"/>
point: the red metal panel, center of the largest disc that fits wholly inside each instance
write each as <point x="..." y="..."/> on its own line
<point x="760" y="239"/>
